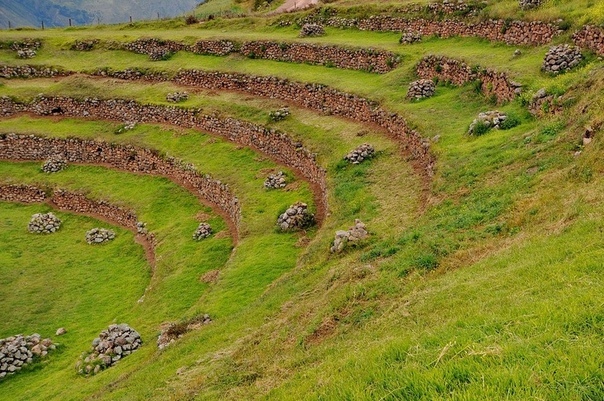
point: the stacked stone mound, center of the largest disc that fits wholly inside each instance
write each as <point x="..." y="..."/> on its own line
<point x="26" y="53"/>
<point x="279" y="114"/>
<point x="203" y="231"/>
<point x="312" y="30"/>
<point x="113" y="344"/>
<point x="99" y="235"/>
<point x="360" y="154"/>
<point x="174" y="331"/>
<point x="296" y="217"/>
<point x="54" y="165"/>
<point x="409" y="38"/>
<point x="421" y="88"/>
<point x="176" y="97"/>
<point x="276" y="181"/>
<point x="561" y="58"/>
<point x="18" y="351"/>
<point x="84" y="45"/>
<point x="492" y="119"/>
<point x="528" y="4"/>
<point x="355" y="234"/>
<point x="43" y="223"/>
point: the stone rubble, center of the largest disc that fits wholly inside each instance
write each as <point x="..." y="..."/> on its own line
<point x="141" y="228"/>
<point x="543" y="103"/>
<point x="203" y="231"/>
<point x="528" y="4"/>
<point x="493" y="119"/>
<point x="360" y="154"/>
<point x="26" y="53"/>
<point x="279" y="114"/>
<point x="44" y="223"/>
<point x="312" y="30"/>
<point x="174" y="331"/>
<point x="296" y="217"/>
<point x="99" y="235"/>
<point x="54" y="165"/>
<point x="113" y="344"/>
<point x="421" y="89"/>
<point x="276" y="181"/>
<point x="84" y="45"/>
<point x="177" y="97"/>
<point x="18" y="351"/>
<point x="561" y="58"/>
<point x="342" y="239"/>
<point x="410" y="37"/>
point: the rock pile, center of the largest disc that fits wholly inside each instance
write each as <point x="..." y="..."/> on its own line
<point x="113" y="344"/>
<point x="203" y="231"/>
<point x="279" y="114"/>
<point x="296" y="217"/>
<point x="99" y="235"/>
<point x="409" y="38"/>
<point x="141" y="227"/>
<point x="54" y="165"/>
<point x="127" y="126"/>
<point x="19" y="351"/>
<point x="177" y="96"/>
<point x="561" y="58"/>
<point x="174" y="331"/>
<point x="43" y="223"/>
<point x="312" y="30"/>
<point x="543" y="103"/>
<point x="421" y="88"/>
<point x="84" y="45"/>
<point x="275" y="181"/>
<point x="355" y="234"/>
<point x="485" y="121"/>
<point x="26" y="53"/>
<point x="528" y="4"/>
<point x="358" y="155"/>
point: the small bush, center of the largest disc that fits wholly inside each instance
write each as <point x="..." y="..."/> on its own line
<point x="510" y="122"/>
<point x="427" y="262"/>
<point x="191" y="19"/>
<point x="481" y="128"/>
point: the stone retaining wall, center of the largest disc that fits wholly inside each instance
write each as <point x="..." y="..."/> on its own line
<point x="30" y="71"/>
<point x="22" y="193"/>
<point x="272" y="143"/>
<point x="122" y="157"/>
<point x="457" y="72"/>
<point x="590" y="37"/>
<point x="373" y="60"/>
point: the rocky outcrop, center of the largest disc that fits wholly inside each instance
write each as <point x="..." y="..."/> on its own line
<point x="18" y="351"/>
<point x="99" y="235"/>
<point x="421" y="89"/>
<point x="44" y="223"/>
<point x="202" y="231"/>
<point x="352" y="236"/>
<point x="113" y="344"/>
<point x="360" y="154"/>
<point x="561" y="58"/>
<point x="457" y="72"/>
<point x="590" y="37"/>
<point x="296" y="217"/>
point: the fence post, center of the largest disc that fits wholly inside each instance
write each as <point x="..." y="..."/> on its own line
<point x="69" y="21"/>
<point x="42" y="25"/>
<point x="131" y="19"/>
<point x="9" y="27"/>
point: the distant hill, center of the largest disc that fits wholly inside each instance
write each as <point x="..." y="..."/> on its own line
<point x="85" y="12"/>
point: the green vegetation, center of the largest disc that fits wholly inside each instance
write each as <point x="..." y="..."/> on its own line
<point x="484" y="284"/>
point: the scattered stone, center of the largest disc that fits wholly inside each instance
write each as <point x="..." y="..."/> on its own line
<point x="113" y="344"/>
<point x="528" y="4"/>
<point x="409" y="38"/>
<point x="61" y="331"/>
<point x="174" y="331"/>
<point x="19" y="351"/>
<point x="44" y="223"/>
<point x="421" y="89"/>
<point x="54" y="165"/>
<point x="99" y="235"/>
<point x="312" y="30"/>
<point x="517" y="53"/>
<point x="355" y="234"/>
<point x="279" y="114"/>
<point x="486" y="121"/>
<point x="203" y="231"/>
<point x="359" y="154"/>
<point x="561" y="58"/>
<point x="177" y="97"/>
<point x="275" y="181"/>
<point x="296" y="217"/>
<point x="127" y="126"/>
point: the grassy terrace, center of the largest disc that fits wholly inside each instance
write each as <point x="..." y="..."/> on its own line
<point x="489" y="290"/>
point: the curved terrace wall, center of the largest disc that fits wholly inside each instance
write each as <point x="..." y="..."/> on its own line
<point x="127" y="158"/>
<point x="457" y="72"/>
<point x="272" y="143"/>
<point x="372" y="60"/>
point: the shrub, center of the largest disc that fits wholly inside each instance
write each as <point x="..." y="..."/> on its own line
<point x="480" y="128"/>
<point x="510" y="122"/>
<point x="191" y="19"/>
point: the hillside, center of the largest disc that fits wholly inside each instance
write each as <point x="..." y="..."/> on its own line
<point x="375" y="201"/>
<point x="30" y="13"/>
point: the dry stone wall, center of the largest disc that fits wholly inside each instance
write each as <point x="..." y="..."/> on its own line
<point x="31" y="71"/>
<point x="590" y="37"/>
<point x="457" y="72"/>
